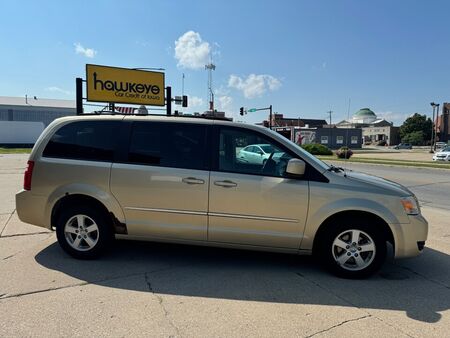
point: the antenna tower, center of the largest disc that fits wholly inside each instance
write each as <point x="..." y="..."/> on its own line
<point x="210" y="67"/>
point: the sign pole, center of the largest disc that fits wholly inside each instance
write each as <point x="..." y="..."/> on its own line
<point x="168" y="100"/>
<point x="79" y="95"/>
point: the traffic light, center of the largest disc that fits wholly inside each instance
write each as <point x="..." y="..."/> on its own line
<point x="241" y="111"/>
<point x="185" y="101"/>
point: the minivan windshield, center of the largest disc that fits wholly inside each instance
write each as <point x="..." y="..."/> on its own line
<point x="304" y="153"/>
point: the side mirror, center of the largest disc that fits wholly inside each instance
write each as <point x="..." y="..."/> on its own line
<point x="295" y="167"/>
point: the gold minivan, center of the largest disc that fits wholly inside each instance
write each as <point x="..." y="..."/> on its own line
<point x="210" y="182"/>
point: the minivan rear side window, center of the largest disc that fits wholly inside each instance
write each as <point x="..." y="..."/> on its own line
<point x="177" y="145"/>
<point x="84" y="140"/>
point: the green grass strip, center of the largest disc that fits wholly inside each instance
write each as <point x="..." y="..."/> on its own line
<point x="406" y="163"/>
<point x="15" y="150"/>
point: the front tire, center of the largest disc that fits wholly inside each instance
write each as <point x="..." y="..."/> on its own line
<point x="353" y="250"/>
<point x="83" y="232"/>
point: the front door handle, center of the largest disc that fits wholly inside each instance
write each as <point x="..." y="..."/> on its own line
<point x="192" y="180"/>
<point x="225" y="184"/>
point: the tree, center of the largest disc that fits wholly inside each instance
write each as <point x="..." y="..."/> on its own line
<point x="416" y="138"/>
<point x="415" y="124"/>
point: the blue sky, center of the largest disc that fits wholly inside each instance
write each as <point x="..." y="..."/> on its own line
<point x="303" y="57"/>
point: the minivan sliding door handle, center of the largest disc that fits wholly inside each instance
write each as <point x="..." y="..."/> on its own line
<point x="225" y="184"/>
<point x="192" y="180"/>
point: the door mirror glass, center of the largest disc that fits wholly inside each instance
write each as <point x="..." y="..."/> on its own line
<point x="295" y="167"/>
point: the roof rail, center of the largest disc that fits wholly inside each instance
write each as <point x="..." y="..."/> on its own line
<point x="201" y="116"/>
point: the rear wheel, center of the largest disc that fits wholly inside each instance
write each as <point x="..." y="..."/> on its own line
<point x="83" y="232"/>
<point x="353" y="251"/>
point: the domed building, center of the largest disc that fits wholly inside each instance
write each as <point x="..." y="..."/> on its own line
<point x="364" y="116"/>
<point x="375" y="131"/>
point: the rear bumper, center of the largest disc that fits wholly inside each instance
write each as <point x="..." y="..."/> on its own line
<point x="410" y="237"/>
<point x="31" y="208"/>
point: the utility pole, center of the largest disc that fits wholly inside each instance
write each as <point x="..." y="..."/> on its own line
<point x="331" y="129"/>
<point x="182" y="85"/>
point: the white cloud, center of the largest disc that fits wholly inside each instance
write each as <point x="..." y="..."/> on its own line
<point x="225" y="103"/>
<point x="254" y="85"/>
<point x="191" y="51"/>
<point x="397" y="118"/>
<point x="59" y="90"/>
<point x="195" y="101"/>
<point x="88" y="52"/>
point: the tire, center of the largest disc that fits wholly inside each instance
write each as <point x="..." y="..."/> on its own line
<point x="347" y="257"/>
<point x="83" y="232"/>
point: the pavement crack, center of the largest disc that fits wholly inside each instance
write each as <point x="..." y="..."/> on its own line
<point x="17" y="295"/>
<point x="340" y="324"/>
<point x="32" y="234"/>
<point x="7" y="221"/>
<point x="161" y="304"/>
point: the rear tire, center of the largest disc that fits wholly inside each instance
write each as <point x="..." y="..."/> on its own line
<point x="83" y="232"/>
<point x="352" y="248"/>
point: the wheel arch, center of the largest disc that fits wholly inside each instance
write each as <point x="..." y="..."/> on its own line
<point x="353" y="214"/>
<point x="77" y="199"/>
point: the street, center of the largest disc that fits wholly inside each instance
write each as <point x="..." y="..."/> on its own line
<point x="148" y="289"/>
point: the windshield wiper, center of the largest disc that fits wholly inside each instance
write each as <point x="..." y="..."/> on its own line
<point x="335" y="169"/>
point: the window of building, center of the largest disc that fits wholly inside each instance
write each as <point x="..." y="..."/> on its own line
<point x="354" y="140"/>
<point x="84" y="140"/>
<point x="177" y="145"/>
<point x="324" y="139"/>
<point x="339" y="139"/>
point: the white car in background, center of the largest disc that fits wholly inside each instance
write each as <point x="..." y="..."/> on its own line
<point x="256" y="153"/>
<point x="442" y="155"/>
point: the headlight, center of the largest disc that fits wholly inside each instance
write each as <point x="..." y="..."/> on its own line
<point x="410" y="205"/>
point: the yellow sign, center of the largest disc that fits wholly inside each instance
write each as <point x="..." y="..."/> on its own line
<point x="111" y="84"/>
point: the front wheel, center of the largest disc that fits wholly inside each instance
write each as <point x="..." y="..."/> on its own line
<point x="83" y="232"/>
<point x="353" y="251"/>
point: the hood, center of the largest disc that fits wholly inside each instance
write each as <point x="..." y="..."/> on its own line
<point x="443" y="153"/>
<point x="386" y="186"/>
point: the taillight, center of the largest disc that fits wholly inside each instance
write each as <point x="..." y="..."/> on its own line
<point x="28" y="175"/>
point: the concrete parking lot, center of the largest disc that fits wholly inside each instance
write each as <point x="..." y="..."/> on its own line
<point x="161" y="290"/>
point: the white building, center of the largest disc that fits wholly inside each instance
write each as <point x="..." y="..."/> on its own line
<point x="22" y="119"/>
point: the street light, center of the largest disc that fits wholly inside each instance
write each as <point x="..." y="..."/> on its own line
<point x="434" y="105"/>
<point x="435" y="129"/>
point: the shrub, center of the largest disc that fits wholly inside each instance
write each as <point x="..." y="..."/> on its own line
<point x="344" y="152"/>
<point x="317" y="149"/>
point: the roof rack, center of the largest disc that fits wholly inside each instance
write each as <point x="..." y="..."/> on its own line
<point x="201" y="116"/>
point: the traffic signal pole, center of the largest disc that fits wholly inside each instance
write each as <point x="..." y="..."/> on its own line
<point x="243" y="111"/>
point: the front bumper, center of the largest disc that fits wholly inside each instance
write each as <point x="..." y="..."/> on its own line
<point x="410" y="237"/>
